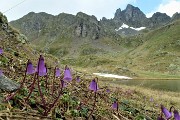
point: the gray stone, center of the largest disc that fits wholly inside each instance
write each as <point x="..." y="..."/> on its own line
<point x="8" y="85"/>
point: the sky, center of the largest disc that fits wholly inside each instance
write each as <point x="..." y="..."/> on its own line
<point x="15" y="9"/>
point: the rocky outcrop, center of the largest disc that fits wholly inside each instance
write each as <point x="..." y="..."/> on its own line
<point x="7" y="84"/>
<point x="132" y="16"/>
<point x="176" y="16"/>
<point x="87" y="26"/>
<point x="11" y="32"/>
<point x="159" y="19"/>
<point x="81" y="25"/>
<point x="35" y="25"/>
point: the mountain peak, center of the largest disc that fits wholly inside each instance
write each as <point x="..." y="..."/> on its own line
<point x="160" y="19"/>
<point x="86" y="16"/>
<point x="132" y="16"/>
<point x="176" y="16"/>
<point x="129" y="6"/>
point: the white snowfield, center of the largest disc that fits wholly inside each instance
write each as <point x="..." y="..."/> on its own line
<point x="126" y="26"/>
<point x="111" y="75"/>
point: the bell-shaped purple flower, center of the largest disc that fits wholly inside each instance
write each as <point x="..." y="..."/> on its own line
<point x="78" y="79"/>
<point x="176" y="115"/>
<point x="30" y="68"/>
<point x="1" y="51"/>
<point x="41" y="68"/>
<point x="67" y="74"/>
<point x="115" y="105"/>
<point x="58" y="73"/>
<point x="93" y="85"/>
<point x="167" y="114"/>
<point x="1" y="73"/>
<point x="108" y="90"/>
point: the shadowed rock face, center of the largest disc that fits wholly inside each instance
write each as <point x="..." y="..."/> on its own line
<point x="159" y="19"/>
<point x="176" y="16"/>
<point x="132" y="16"/>
<point x="7" y="84"/>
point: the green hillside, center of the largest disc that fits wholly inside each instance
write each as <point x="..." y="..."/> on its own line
<point x="160" y="51"/>
<point x="85" y="43"/>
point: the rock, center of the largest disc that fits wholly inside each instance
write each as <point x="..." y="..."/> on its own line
<point x="176" y="16"/>
<point x="21" y="38"/>
<point x="3" y="19"/>
<point x="159" y="19"/>
<point x="78" y="31"/>
<point x="132" y="16"/>
<point x="7" y="84"/>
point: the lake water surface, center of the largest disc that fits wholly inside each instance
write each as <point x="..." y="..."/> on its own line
<point x="165" y="85"/>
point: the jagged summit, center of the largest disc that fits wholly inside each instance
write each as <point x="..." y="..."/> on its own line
<point x="159" y="19"/>
<point x="132" y="16"/>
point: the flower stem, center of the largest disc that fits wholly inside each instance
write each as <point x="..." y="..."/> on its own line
<point x="32" y="87"/>
<point x="52" y="105"/>
<point x="41" y="94"/>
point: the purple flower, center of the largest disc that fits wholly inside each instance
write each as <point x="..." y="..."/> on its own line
<point x="67" y="74"/>
<point x="167" y="114"/>
<point x="160" y="118"/>
<point x="176" y="115"/>
<point x="78" y="79"/>
<point x="93" y="85"/>
<point x="58" y="72"/>
<point x="108" y="90"/>
<point x="41" y="68"/>
<point x="115" y="105"/>
<point x="1" y="51"/>
<point x="30" y="68"/>
<point x="1" y="73"/>
<point x="151" y="99"/>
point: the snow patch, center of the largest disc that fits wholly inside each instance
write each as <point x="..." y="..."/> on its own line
<point x="126" y="26"/>
<point x="138" y="29"/>
<point x="111" y="75"/>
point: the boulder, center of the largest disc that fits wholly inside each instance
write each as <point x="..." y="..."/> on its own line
<point x="7" y="84"/>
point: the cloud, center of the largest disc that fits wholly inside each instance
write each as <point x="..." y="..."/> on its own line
<point x="99" y="8"/>
<point x="167" y="6"/>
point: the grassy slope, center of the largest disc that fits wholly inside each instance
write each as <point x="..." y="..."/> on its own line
<point x="160" y="53"/>
<point x="153" y="55"/>
<point x="157" y="54"/>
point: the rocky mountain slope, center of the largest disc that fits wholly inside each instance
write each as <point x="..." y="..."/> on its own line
<point x="16" y="50"/>
<point x="83" y="25"/>
<point x="82" y="40"/>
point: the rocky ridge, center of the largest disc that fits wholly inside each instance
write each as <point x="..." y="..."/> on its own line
<point x="82" y="25"/>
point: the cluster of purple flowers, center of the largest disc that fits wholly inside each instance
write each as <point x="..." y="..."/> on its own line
<point x="168" y="114"/>
<point x="41" y="70"/>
